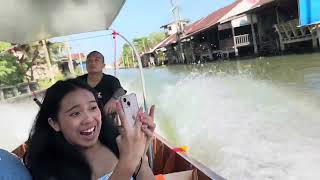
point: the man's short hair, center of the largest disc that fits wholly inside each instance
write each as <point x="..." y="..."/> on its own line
<point x="95" y="52"/>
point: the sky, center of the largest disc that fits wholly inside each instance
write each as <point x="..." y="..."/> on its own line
<point x="139" y="18"/>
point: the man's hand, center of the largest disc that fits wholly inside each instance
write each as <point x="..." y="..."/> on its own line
<point x="111" y="105"/>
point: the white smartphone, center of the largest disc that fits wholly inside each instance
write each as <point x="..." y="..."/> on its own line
<point x="130" y="107"/>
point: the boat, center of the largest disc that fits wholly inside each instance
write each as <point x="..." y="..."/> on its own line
<point x="61" y="18"/>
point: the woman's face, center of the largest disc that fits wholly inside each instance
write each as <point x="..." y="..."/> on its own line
<point x="79" y="118"/>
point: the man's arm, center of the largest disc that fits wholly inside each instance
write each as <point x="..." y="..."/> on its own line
<point x="110" y="106"/>
<point x="116" y="87"/>
<point x="119" y="92"/>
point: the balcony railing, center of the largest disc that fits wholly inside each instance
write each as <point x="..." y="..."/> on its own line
<point x="243" y="40"/>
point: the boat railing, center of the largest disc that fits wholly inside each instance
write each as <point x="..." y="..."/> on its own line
<point x="291" y="32"/>
<point x="167" y="161"/>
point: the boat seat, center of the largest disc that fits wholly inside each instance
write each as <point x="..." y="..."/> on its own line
<point x="11" y="167"/>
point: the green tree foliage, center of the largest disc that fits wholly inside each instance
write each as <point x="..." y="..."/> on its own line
<point x="127" y="56"/>
<point x="14" y="70"/>
<point x="142" y="44"/>
<point x="156" y="37"/>
<point x="9" y="73"/>
<point x="4" y="46"/>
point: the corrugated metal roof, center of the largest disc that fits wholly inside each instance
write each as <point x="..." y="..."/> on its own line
<point x="262" y="3"/>
<point x="236" y="8"/>
<point x="210" y="20"/>
<point x="169" y="40"/>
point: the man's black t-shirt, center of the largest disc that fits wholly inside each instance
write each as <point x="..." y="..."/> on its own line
<point x="106" y="87"/>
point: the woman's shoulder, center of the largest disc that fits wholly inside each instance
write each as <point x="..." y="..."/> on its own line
<point x="11" y="167"/>
<point x="107" y="176"/>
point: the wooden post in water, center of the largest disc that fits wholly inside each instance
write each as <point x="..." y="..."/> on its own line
<point x="255" y="46"/>
<point x="15" y="91"/>
<point x="27" y="88"/>
<point x="209" y="47"/>
<point x="313" y="31"/>
<point x="219" y="44"/>
<point x="234" y="42"/>
<point x="259" y="24"/>
<point x="210" y="52"/>
<point x="1" y="94"/>
<point x="192" y="52"/>
<point x="282" y="47"/>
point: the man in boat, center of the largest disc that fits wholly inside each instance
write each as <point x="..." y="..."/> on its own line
<point x="108" y="87"/>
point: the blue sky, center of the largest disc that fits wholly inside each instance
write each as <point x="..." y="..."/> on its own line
<point x="140" y="18"/>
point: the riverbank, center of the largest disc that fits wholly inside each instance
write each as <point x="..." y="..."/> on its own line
<point x="25" y="97"/>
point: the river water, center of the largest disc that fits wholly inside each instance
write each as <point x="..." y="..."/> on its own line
<point x="254" y="119"/>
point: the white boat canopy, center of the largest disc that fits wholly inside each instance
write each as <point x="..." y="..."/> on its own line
<point x="24" y="21"/>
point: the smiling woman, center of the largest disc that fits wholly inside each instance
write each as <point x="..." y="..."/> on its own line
<point x="56" y="132"/>
<point x="80" y="118"/>
<point x="72" y="139"/>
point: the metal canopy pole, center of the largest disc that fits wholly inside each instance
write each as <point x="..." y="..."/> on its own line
<point x="150" y="148"/>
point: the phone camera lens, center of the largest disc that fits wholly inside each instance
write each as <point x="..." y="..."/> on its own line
<point x="128" y="103"/>
<point x="124" y="100"/>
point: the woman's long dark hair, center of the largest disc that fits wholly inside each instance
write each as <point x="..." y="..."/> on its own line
<point x="49" y="155"/>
